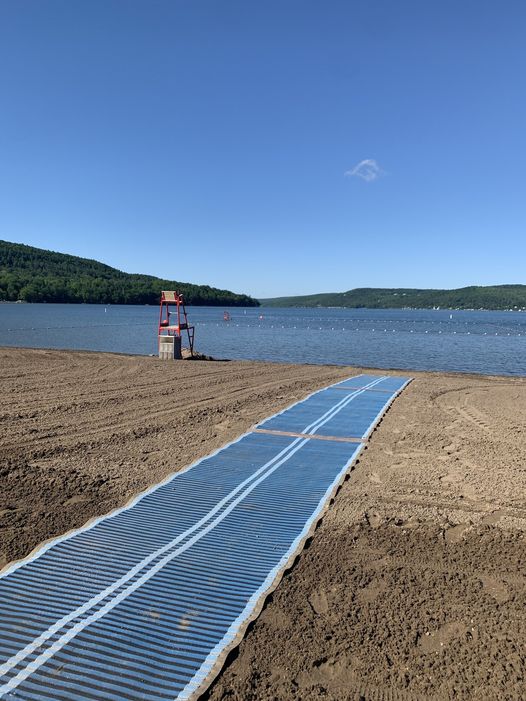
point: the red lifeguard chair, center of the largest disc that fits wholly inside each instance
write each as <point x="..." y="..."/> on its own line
<point x="173" y="320"/>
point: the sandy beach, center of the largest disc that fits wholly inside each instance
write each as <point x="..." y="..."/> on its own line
<point x="414" y="584"/>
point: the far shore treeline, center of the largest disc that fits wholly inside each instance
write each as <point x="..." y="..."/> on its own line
<point x="30" y="274"/>
<point x="496" y="297"/>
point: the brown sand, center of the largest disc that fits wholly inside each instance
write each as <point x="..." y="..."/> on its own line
<point x="414" y="585"/>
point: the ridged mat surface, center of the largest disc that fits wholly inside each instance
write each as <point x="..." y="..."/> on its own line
<point x="146" y="602"/>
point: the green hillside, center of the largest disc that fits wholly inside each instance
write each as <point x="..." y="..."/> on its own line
<point x="496" y="297"/>
<point x="36" y="275"/>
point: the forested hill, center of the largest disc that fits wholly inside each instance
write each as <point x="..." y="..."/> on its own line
<point x="496" y="297"/>
<point x="36" y="275"/>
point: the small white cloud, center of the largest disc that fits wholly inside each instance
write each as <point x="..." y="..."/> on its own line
<point x="367" y="170"/>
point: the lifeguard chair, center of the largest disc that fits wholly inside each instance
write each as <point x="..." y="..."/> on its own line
<point x="173" y="321"/>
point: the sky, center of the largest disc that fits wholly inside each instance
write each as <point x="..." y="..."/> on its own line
<point x="272" y="148"/>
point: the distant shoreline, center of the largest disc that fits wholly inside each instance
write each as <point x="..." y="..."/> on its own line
<point x="473" y="298"/>
<point x="270" y="306"/>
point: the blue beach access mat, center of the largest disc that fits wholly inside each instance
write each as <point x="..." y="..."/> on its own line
<point x="146" y="602"/>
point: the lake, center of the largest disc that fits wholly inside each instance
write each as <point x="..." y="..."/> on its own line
<point x="468" y="341"/>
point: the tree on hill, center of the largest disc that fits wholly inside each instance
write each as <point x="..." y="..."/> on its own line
<point x="494" y="297"/>
<point x="36" y="275"/>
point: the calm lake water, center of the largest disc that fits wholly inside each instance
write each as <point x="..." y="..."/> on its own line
<point x="481" y="342"/>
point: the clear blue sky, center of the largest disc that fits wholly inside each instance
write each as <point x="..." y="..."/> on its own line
<point x="220" y="142"/>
